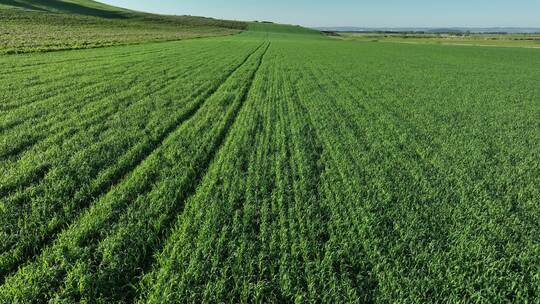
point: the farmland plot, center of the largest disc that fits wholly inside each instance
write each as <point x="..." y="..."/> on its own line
<point x="273" y="166"/>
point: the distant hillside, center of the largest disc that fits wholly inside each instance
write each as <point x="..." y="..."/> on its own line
<point x="79" y="7"/>
<point x="45" y="25"/>
<point x="281" y="28"/>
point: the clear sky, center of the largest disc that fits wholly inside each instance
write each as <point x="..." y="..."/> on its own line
<point x="361" y="13"/>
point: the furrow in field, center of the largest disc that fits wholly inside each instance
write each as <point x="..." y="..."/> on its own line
<point x="13" y="180"/>
<point x="105" y="179"/>
<point x="166" y="172"/>
<point x="220" y="190"/>
<point x="113" y="283"/>
<point x="264" y="230"/>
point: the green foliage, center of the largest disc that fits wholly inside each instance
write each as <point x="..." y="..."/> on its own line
<point x="273" y="166"/>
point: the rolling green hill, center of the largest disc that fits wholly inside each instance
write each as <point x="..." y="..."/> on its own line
<point x="38" y="25"/>
<point x="275" y="28"/>
<point x="79" y="7"/>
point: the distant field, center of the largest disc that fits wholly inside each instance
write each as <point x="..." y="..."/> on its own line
<point x="509" y="40"/>
<point x="33" y="26"/>
<point x="272" y="166"/>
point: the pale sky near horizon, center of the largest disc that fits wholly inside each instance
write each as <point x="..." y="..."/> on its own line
<point x="361" y="13"/>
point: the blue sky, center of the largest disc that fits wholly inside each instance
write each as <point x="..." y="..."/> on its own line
<point x="373" y="13"/>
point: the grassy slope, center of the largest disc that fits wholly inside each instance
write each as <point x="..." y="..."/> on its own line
<point x="37" y="25"/>
<point x="79" y="7"/>
<point x="274" y="29"/>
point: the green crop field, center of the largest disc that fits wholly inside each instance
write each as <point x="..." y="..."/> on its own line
<point x="272" y="166"/>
